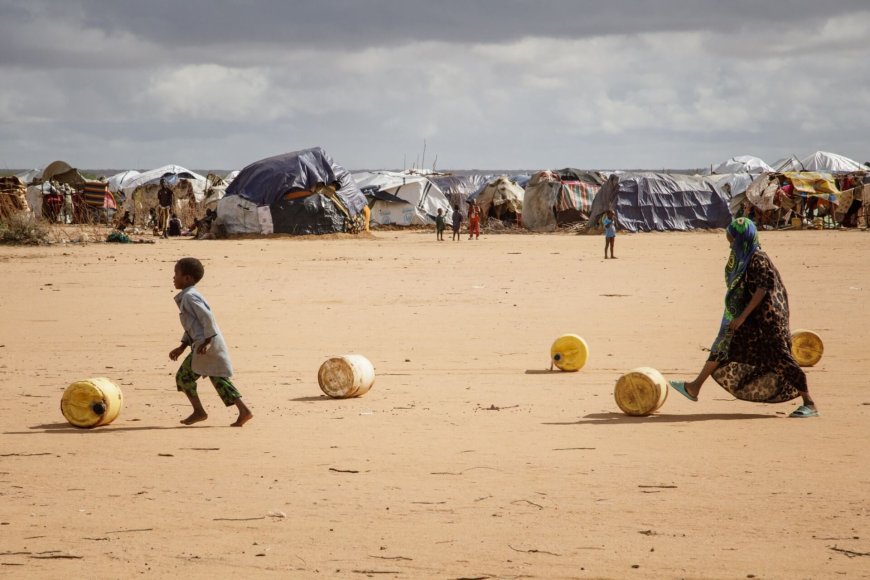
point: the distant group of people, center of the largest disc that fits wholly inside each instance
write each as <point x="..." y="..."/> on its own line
<point x="165" y="222"/>
<point x="456" y="222"/>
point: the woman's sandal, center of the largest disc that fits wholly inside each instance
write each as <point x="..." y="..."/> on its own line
<point x="680" y="387"/>
<point x="804" y="411"/>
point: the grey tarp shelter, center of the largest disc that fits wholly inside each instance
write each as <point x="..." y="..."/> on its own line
<point x="646" y="202"/>
<point x="290" y="185"/>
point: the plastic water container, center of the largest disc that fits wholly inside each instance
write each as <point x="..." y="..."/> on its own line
<point x="91" y="403"/>
<point x="343" y="377"/>
<point x="569" y="353"/>
<point x="807" y="347"/>
<point x="641" y="391"/>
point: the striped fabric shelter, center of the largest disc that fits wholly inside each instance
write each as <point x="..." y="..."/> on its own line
<point x="576" y="195"/>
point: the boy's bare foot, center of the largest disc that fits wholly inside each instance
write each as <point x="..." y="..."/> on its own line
<point x="194" y="418"/>
<point x="243" y="418"/>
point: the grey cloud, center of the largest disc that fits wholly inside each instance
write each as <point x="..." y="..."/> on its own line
<point x="488" y="84"/>
<point x="216" y="29"/>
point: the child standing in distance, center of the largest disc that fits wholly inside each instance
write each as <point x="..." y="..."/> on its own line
<point x="440" y="225"/>
<point x="208" y="352"/>
<point x="457" y="222"/>
<point x="609" y="232"/>
<point x="474" y="221"/>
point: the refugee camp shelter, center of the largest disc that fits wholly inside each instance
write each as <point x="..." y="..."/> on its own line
<point x="216" y="188"/>
<point x="501" y="199"/>
<point x="140" y="191"/>
<point x="119" y="180"/>
<point x="413" y="199"/>
<point x="790" y="163"/>
<point x="819" y="161"/>
<point x="459" y="188"/>
<point x="301" y="192"/>
<point x="29" y="176"/>
<point x="646" y="201"/>
<point x="742" y="164"/>
<point x="554" y="198"/>
<point x="734" y="186"/>
<point x="772" y="195"/>
<point x="97" y="201"/>
<point x="830" y="162"/>
<point x="13" y="196"/>
<point x="62" y="172"/>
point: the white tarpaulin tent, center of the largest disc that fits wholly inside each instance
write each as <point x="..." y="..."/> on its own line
<point x="141" y="191"/>
<point x="742" y="164"/>
<point x="734" y="185"/>
<point x="829" y="162"/>
<point x="171" y="173"/>
<point x="28" y="176"/>
<point x="117" y="181"/>
<point x="420" y="198"/>
<point x="790" y="163"/>
<point x="818" y="161"/>
<point x="240" y="216"/>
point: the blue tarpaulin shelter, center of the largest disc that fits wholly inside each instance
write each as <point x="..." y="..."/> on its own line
<point x="267" y="181"/>
<point x="302" y="192"/>
<point x="648" y="202"/>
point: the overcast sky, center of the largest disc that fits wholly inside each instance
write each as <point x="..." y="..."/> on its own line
<point x="490" y="84"/>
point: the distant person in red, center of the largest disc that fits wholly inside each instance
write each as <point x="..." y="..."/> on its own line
<point x="474" y="221"/>
<point x="164" y="207"/>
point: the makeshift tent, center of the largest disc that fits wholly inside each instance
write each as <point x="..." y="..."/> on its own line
<point x="97" y="200"/>
<point x="646" y="202"/>
<point x="116" y="182"/>
<point x="13" y="196"/>
<point x="819" y="161"/>
<point x="140" y="192"/>
<point x="62" y="172"/>
<point x="554" y="198"/>
<point x="734" y="186"/>
<point x="742" y="164"/>
<point x="501" y="198"/>
<point x="575" y="201"/>
<point x="590" y="177"/>
<point x="765" y="192"/>
<point x="459" y="188"/>
<point x="790" y="163"/>
<point x="772" y="195"/>
<point x="303" y="192"/>
<point x="539" y="199"/>
<point x="29" y="176"/>
<point x="215" y="190"/>
<point x="34" y="199"/>
<point x="171" y="174"/>
<point x="417" y="198"/>
<point x="829" y="162"/>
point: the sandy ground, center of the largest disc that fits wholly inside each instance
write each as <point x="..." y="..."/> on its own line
<point x="465" y="460"/>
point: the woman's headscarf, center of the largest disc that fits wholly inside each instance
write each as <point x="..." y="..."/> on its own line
<point x="744" y="244"/>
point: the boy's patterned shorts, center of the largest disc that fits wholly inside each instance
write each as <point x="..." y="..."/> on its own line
<point x="185" y="380"/>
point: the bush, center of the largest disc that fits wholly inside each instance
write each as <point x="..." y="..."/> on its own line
<point x="22" y="228"/>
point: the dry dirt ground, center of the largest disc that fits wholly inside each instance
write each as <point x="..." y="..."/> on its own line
<point x="466" y="459"/>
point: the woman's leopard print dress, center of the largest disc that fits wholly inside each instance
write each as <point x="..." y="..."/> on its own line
<point x="757" y="364"/>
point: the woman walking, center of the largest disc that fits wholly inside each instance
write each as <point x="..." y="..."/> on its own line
<point x="751" y="357"/>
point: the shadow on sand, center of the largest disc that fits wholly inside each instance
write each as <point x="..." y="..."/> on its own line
<point x="621" y="419"/>
<point x="313" y="398"/>
<point x="544" y="372"/>
<point x="63" y="428"/>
